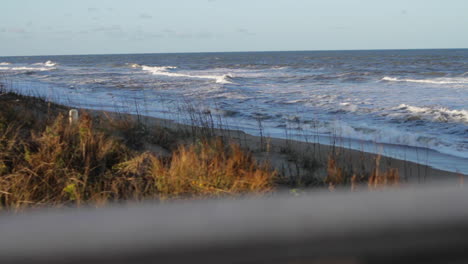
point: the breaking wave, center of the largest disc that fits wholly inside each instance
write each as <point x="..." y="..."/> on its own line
<point x="165" y="71"/>
<point x="454" y="80"/>
<point x="349" y="107"/>
<point x="393" y="136"/>
<point x="47" y="63"/>
<point x="435" y="114"/>
<point x="27" y="68"/>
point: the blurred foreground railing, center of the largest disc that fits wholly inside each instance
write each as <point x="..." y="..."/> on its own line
<point x="407" y="225"/>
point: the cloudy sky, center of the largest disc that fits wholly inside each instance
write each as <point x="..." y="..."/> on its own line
<point x="49" y="27"/>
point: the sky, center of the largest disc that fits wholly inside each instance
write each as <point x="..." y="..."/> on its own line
<point x="60" y="27"/>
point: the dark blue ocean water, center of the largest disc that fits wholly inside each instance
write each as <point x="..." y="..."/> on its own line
<point x="403" y="100"/>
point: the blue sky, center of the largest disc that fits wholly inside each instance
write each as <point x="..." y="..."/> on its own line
<point x="48" y="27"/>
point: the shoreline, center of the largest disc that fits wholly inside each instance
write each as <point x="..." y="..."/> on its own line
<point x="432" y="157"/>
<point x="297" y="159"/>
<point x="278" y="152"/>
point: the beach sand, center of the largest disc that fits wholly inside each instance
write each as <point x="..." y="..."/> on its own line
<point x="298" y="163"/>
<point x="302" y="160"/>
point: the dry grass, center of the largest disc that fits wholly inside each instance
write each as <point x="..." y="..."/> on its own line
<point x="334" y="173"/>
<point x="50" y="162"/>
<point x="379" y="180"/>
<point x="46" y="161"/>
<point x="60" y="165"/>
<point x="376" y="180"/>
<point x="207" y="169"/>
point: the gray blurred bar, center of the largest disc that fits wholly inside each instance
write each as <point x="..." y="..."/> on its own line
<point x="407" y="225"/>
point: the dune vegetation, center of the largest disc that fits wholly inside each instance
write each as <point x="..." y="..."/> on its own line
<point x="47" y="160"/>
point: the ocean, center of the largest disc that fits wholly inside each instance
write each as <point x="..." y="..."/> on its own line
<point x="407" y="104"/>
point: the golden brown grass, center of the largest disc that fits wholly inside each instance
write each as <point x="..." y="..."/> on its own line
<point x="334" y="173"/>
<point x="46" y="161"/>
<point x="375" y="181"/>
<point x="207" y="169"/>
<point x="61" y="164"/>
<point x="379" y="180"/>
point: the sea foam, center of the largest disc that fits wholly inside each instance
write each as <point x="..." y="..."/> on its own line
<point x="454" y="80"/>
<point x="26" y="68"/>
<point x="165" y="71"/>
<point x="47" y="63"/>
<point x="393" y="136"/>
<point x="436" y="114"/>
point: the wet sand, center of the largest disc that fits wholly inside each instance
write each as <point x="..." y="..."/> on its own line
<point x="283" y="154"/>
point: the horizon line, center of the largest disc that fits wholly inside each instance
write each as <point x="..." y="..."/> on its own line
<point x="249" y="51"/>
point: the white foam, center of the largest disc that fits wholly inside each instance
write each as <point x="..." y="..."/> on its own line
<point x="155" y="69"/>
<point x="389" y="135"/>
<point x="47" y="63"/>
<point x="4" y="63"/>
<point x="454" y="80"/>
<point x="226" y="78"/>
<point x="437" y="114"/>
<point x="50" y="63"/>
<point x="349" y="107"/>
<point x="164" y="71"/>
<point x="296" y="101"/>
<point x="26" y="68"/>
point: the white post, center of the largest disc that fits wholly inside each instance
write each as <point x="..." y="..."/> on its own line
<point x="73" y="116"/>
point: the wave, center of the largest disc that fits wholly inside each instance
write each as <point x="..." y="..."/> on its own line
<point x="47" y="63"/>
<point x="454" y="80"/>
<point x="164" y="71"/>
<point x="436" y="114"/>
<point x="157" y="69"/>
<point x="27" y="68"/>
<point x="393" y="136"/>
<point x="348" y="107"/>
<point x="225" y="79"/>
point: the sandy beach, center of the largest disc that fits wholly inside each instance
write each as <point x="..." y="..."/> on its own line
<point x="292" y="158"/>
